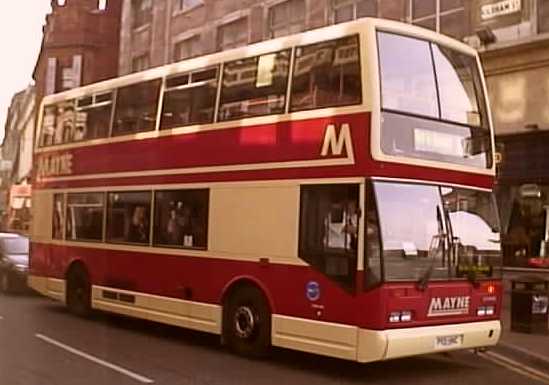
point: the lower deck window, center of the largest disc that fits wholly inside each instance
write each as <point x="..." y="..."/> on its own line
<point x="128" y="217"/>
<point x="181" y="218"/>
<point x="84" y="216"/>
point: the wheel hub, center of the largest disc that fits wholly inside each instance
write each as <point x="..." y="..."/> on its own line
<point x="244" y="322"/>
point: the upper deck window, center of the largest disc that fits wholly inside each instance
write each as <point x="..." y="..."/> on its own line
<point x="189" y="99"/>
<point x="254" y="86"/>
<point x="93" y="116"/>
<point x="434" y="106"/>
<point x="327" y="74"/>
<point x="136" y="107"/>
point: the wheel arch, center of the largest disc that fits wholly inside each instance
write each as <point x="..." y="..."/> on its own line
<point x="241" y="281"/>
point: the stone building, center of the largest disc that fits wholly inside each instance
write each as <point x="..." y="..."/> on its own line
<point x="80" y="45"/>
<point x="16" y="153"/>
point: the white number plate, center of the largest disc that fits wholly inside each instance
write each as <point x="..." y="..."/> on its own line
<point x="447" y="342"/>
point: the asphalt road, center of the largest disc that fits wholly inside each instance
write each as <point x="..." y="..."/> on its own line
<point x="41" y="344"/>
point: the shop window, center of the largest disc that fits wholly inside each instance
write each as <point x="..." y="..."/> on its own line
<point x="286" y="18"/>
<point x="327" y="74"/>
<point x="84" y="216"/>
<point x="189" y="99"/>
<point x="181" y="218"/>
<point x="346" y="10"/>
<point x="232" y="35"/>
<point x="328" y="230"/>
<point x="136" y="107"/>
<point x="128" y="217"/>
<point x="58" y="218"/>
<point x="93" y="116"/>
<point x="254" y="86"/>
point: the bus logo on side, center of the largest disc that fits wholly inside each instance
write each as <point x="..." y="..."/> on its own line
<point x="334" y="144"/>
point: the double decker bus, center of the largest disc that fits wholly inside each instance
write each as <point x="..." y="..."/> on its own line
<point x="329" y="192"/>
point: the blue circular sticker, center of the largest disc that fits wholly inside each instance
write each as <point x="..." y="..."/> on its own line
<point x="312" y="291"/>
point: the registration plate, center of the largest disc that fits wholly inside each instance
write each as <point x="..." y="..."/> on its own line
<point x="447" y="342"/>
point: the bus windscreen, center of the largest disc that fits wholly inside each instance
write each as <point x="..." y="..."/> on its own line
<point x="434" y="106"/>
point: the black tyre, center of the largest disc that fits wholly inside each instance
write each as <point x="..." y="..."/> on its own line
<point x="78" y="295"/>
<point x="5" y="282"/>
<point x="247" y="322"/>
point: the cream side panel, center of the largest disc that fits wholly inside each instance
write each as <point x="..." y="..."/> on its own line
<point x="49" y="287"/>
<point x="42" y="207"/>
<point x="187" y="314"/>
<point x="324" y="338"/>
<point x="255" y="221"/>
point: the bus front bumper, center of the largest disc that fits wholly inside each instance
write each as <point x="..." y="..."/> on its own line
<point x="377" y="345"/>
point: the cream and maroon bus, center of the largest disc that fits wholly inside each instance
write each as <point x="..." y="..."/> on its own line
<point x="329" y="192"/>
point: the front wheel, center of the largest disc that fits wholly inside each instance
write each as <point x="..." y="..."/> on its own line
<point x="78" y="294"/>
<point x="247" y="322"/>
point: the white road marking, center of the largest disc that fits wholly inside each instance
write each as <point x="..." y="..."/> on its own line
<point x="516" y="366"/>
<point x="525" y="351"/>
<point x="99" y="361"/>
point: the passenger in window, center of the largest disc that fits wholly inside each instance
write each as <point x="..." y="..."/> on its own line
<point x="139" y="230"/>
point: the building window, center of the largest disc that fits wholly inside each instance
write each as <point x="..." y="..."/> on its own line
<point x="543" y="16"/>
<point x="102" y="5"/>
<point x="183" y="5"/>
<point x="287" y="18"/>
<point x="189" y="99"/>
<point x="128" y="217"/>
<point x="85" y="216"/>
<point x="181" y="218"/>
<point x="346" y="10"/>
<point x="327" y="74"/>
<point x="140" y="63"/>
<point x="187" y="48"/>
<point x="254" y="86"/>
<point x="232" y="35"/>
<point x="136" y="107"/>
<point x="142" y="12"/>
<point x="444" y="16"/>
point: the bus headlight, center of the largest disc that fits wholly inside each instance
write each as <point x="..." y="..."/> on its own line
<point x="400" y="316"/>
<point x="486" y="311"/>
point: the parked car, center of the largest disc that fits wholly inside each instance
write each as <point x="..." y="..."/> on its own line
<point x="14" y="262"/>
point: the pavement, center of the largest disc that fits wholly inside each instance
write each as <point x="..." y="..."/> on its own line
<point x="530" y="348"/>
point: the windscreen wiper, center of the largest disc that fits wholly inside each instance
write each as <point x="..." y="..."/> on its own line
<point x="440" y="237"/>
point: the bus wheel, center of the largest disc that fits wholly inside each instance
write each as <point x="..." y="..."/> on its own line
<point x="247" y="322"/>
<point x="78" y="292"/>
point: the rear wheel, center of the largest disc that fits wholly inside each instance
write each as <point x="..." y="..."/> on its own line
<point x="78" y="294"/>
<point x="247" y="322"/>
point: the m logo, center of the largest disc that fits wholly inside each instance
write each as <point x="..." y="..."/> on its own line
<point x="333" y="144"/>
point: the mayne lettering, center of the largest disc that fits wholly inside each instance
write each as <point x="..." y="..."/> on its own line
<point x="54" y="165"/>
<point x="449" y="306"/>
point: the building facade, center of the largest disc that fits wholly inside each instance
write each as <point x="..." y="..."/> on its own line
<point x="17" y="149"/>
<point x="80" y="45"/>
